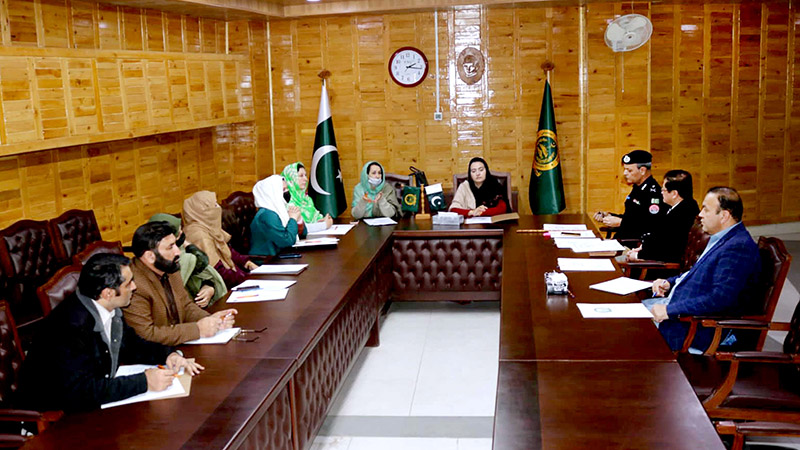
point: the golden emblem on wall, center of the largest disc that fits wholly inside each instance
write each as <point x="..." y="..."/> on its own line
<point x="470" y="65"/>
<point x="546" y="155"/>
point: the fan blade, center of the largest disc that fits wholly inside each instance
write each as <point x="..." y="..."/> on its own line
<point x="614" y="32"/>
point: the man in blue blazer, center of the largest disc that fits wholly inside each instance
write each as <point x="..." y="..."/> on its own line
<point x="721" y="282"/>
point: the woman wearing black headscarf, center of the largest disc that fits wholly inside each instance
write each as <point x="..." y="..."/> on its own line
<point x="482" y="194"/>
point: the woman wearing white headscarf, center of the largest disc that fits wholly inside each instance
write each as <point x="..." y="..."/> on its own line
<point x="274" y="226"/>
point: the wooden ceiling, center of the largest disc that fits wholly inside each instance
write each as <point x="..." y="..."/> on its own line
<point x="250" y="9"/>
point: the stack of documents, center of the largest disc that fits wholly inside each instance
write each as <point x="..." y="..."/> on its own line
<point x="379" y="221"/>
<point x="622" y="285"/>
<point x="477" y="220"/>
<point x="175" y="390"/>
<point x="564" y="226"/>
<point x="576" y="234"/>
<point x="222" y="337"/>
<point x="279" y="269"/>
<point x="585" y="265"/>
<point x="589" y="245"/>
<point x="334" y="230"/>
<point x="316" y="242"/>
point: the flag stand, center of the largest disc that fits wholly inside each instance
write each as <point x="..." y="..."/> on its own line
<point x="422" y="215"/>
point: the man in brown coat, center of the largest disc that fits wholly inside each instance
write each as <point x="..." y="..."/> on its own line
<point x="161" y="309"/>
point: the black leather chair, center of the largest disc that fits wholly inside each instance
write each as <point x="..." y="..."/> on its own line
<point x="97" y="247"/>
<point x="238" y="211"/>
<point x="72" y="232"/>
<point x="28" y="259"/>
<point x="11" y="357"/>
<point x="397" y="181"/>
<point x="59" y="287"/>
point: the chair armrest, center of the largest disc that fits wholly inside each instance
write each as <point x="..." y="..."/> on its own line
<point x="759" y="357"/>
<point x="768" y="428"/>
<point x="42" y="419"/>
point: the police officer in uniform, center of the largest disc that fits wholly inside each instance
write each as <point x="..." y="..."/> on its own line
<point x="644" y="206"/>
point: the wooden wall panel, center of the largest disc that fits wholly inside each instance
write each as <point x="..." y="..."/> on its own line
<point x="82" y="70"/>
<point x="713" y="92"/>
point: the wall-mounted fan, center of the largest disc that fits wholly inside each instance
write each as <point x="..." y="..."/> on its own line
<point x="628" y="32"/>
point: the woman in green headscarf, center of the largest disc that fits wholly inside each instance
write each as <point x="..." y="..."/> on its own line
<point x="373" y="197"/>
<point x="297" y="182"/>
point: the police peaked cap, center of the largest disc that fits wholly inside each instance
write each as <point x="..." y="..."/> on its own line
<point x="637" y="157"/>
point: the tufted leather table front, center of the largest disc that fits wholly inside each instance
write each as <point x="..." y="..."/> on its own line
<point x="274" y="393"/>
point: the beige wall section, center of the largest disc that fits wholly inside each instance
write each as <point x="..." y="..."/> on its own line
<point x="74" y="69"/>
<point x="716" y="91"/>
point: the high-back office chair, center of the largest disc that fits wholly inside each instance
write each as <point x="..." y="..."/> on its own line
<point x="761" y="386"/>
<point x="95" y="248"/>
<point x="11" y="357"/>
<point x="503" y="177"/>
<point x="238" y="211"/>
<point x="28" y="260"/>
<point x="63" y="284"/>
<point x="696" y="243"/>
<point x="775" y="261"/>
<point x="72" y="232"/>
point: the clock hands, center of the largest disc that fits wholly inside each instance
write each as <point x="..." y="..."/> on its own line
<point x="414" y="66"/>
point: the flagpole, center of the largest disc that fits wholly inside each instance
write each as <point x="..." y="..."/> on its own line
<point x="548" y="67"/>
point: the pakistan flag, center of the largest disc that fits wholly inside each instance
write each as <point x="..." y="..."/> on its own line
<point x="327" y="187"/>
<point x="546" y="190"/>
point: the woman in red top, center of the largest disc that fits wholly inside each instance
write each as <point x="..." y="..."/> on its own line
<point x="481" y="195"/>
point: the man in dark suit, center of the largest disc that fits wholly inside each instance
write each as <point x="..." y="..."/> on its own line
<point x="722" y="279"/>
<point x="72" y="363"/>
<point x="644" y="206"/>
<point x="667" y="242"/>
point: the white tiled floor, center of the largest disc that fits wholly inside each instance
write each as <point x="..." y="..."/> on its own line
<point x="435" y="360"/>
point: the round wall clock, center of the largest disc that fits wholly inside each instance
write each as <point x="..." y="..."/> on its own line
<point x="408" y="66"/>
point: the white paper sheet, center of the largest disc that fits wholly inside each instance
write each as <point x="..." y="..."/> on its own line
<point x="174" y="390"/>
<point x="622" y="285"/>
<point x="275" y="269"/>
<point x="316" y="242"/>
<point x="592" y="245"/>
<point x="334" y="230"/>
<point x="564" y="242"/>
<point x="379" y="221"/>
<point x="585" y="265"/>
<point x="614" y="311"/>
<point x="258" y="296"/>
<point x="576" y="234"/>
<point x="477" y="220"/>
<point x="222" y="337"/>
<point x="564" y="226"/>
<point x="264" y="284"/>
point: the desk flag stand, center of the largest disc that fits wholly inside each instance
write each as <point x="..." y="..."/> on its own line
<point x="422" y="215"/>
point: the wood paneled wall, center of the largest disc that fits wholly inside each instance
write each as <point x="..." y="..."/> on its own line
<point x="161" y="105"/>
<point x="716" y="91"/>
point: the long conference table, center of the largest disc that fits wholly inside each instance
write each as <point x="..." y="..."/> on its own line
<point x="564" y="381"/>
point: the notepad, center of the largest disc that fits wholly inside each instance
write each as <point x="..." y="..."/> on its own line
<point x="585" y="265"/>
<point x="175" y="390"/>
<point x="592" y="245"/>
<point x="279" y="269"/>
<point x="316" y="242"/>
<point x="264" y="295"/>
<point x="564" y="226"/>
<point x="614" y="311"/>
<point x="574" y="234"/>
<point x="222" y="337"/>
<point x="569" y="242"/>
<point x="622" y="285"/>
<point x="334" y="230"/>
<point x="379" y="221"/>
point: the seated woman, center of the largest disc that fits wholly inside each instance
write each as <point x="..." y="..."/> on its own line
<point x="373" y="197"/>
<point x="202" y="282"/>
<point x="275" y="225"/>
<point x="202" y="218"/>
<point x="481" y="195"/>
<point x="667" y="241"/>
<point x="297" y="182"/>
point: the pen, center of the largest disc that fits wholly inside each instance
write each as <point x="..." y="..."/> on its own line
<point x="570" y="233"/>
<point x="162" y="367"/>
<point x="571" y="295"/>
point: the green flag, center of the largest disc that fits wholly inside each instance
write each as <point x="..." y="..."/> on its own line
<point x="327" y="187"/>
<point x="546" y="190"/>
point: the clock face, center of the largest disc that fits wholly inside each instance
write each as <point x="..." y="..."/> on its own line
<point x="408" y="66"/>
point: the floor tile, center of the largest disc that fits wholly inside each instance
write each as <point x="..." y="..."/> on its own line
<point x="375" y="397"/>
<point x="331" y="443"/>
<point x="372" y="443"/>
<point x="474" y="444"/>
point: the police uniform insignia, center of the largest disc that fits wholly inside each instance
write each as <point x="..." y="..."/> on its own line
<point x="626" y="159"/>
<point x="655" y="200"/>
<point x="654" y="208"/>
